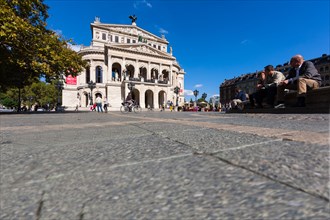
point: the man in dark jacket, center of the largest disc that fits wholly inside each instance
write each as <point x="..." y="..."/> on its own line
<point x="239" y="99"/>
<point x="303" y="75"/>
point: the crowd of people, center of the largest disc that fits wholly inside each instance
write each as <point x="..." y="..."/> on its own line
<point x="272" y="84"/>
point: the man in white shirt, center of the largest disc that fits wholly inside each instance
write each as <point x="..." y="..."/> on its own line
<point x="99" y="104"/>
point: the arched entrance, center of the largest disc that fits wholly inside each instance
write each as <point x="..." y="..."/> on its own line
<point x="136" y="96"/>
<point x="149" y="99"/>
<point x="143" y="73"/>
<point x="165" y="74"/>
<point x="161" y="98"/>
<point x="154" y="73"/>
<point x="130" y="72"/>
<point x="85" y="101"/>
<point x="116" y="72"/>
<point x="96" y="95"/>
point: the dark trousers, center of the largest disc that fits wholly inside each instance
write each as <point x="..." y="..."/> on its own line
<point x="269" y="93"/>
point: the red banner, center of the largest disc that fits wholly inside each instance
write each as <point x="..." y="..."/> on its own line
<point x="71" y="80"/>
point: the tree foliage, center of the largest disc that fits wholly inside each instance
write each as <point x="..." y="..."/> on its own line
<point x="38" y="93"/>
<point x="27" y="49"/>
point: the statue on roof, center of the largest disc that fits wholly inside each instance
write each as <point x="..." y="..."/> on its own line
<point x="133" y="18"/>
<point x="97" y="20"/>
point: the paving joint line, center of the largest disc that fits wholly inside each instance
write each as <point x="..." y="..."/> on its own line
<point x="268" y="177"/>
<point x="248" y="169"/>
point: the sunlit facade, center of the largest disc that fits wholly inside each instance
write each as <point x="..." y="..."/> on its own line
<point x="120" y="55"/>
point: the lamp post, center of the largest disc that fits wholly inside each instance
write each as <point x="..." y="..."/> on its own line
<point x="30" y="99"/>
<point x="130" y="86"/>
<point x="59" y="86"/>
<point x="176" y="91"/>
<point x="204" y="95"/>
<point x="91" y="85"/>
<point x="196" y="94"/>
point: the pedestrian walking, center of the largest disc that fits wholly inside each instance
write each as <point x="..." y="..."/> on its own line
<point x="105" y="105"/>
<point x="99" y="104"/>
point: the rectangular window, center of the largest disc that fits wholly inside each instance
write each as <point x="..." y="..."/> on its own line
<point x="134" y="41"/>
<point x="116" y="39"/>
<point x="88" y="75"/>
<point x="159" y="47"/>
<point x="104" y="36"/>
<point x="128" y="40"/>
<point x="155" y="46"/>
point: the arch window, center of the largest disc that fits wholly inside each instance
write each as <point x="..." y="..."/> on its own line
<point x="98" y="76"/>
<point x="88" y="74"/>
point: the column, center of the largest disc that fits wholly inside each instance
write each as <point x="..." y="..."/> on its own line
<point x="92" y="71"/>
<point x="170" y="75"/>
<point x="149" y="71"/>
<point x="109" y="73"/>
<point x="136" y="69"/>
<point x="142" y="98"/>
<point x="123" y="70"/>
<point x="156" y="94"/>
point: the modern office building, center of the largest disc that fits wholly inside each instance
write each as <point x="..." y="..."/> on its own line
<point x="124" y="58"/>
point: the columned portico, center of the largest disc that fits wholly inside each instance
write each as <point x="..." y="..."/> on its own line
<point x="140" y="58"/>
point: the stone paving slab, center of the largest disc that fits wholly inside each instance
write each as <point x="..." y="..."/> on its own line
<point x="302" y="166"/>
<point x="315" y="122"/>
<point x="164" y="166"/>
<point x="190" y="187"/>
<point x="204" y="139"/>
<point x="59" y="159"/>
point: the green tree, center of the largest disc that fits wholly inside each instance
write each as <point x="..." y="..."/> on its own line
<point x="28" y="50"/>
<point x="38" y="93"/>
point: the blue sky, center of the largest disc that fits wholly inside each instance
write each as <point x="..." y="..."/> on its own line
<point x="213" y="40"/>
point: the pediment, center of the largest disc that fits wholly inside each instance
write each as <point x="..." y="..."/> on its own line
<point x="131" y="30"/>
<point x="143" y="48"/>
<point x="134" y="31"/>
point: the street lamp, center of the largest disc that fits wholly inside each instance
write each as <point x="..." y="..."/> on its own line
<point x="30" y="99"/>
<point x="196" y="94"/>
<point x="176" y="91"/>
<point x="59" y="86"/>
<point x="91" y="85"/>
<point x="204" y="95"/>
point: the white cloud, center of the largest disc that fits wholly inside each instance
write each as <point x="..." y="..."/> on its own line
<point x="188" y="92"/>
<point x="142" y="3"/>
<point x="244" y="41"/>
<point x="163" y="31"/>
<point x="58" y="32"/>
<point x="198" y="85"/>
<point x="75" y="47"/>
<point x="215" y="95"/>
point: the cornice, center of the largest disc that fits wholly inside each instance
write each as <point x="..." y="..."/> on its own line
<point x="91" y="50"/>
<point x="117" y="26"/>
<point x="127" y="50"/>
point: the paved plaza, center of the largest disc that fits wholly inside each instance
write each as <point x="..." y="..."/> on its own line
<point x="164" y="165"/>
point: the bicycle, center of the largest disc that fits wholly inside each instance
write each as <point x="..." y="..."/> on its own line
<point x="126" y="107"/>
